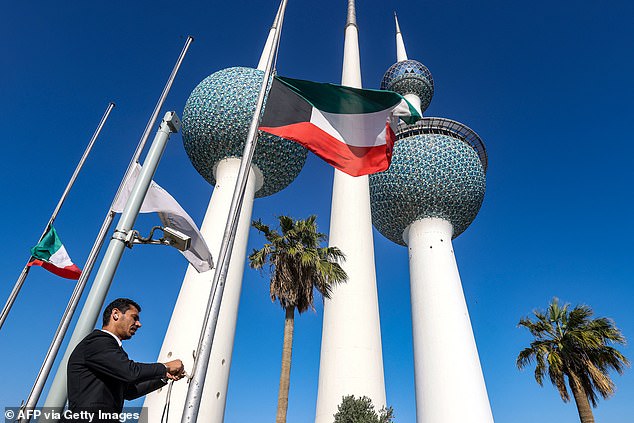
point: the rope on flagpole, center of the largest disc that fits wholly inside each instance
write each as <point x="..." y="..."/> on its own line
<point x="166" y="407"/>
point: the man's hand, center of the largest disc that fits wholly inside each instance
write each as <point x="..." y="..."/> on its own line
<point x="175" y="369"/>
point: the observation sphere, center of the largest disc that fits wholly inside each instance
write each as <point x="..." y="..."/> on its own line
<point x="410" y="77"/>
<point x="216" y="122"/>
<point x="431" y="175"/>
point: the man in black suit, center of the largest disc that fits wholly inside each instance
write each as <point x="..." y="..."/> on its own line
<point x="100" y="374"/>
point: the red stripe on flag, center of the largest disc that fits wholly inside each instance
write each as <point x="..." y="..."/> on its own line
<point x="390" y="139"/>
<point x="355" y="161"/>
<point x="70" y="272"/>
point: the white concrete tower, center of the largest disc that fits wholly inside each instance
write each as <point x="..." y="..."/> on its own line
<point x="215" y="125"/>
<point x="431" y="193"/>
<point x="351" y="361"/>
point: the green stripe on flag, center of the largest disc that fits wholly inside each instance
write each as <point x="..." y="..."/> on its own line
<point x="49" y="244"/>
<point x="413" y="117"/>
<point x="333" y="98"/>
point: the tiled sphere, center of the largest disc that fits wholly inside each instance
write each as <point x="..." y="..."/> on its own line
<point x="410" y="77"/>
<point x="216" y="121"/>
<point x="431" y="175"/>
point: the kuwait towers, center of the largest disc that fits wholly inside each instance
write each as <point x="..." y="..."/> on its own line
<point x="430" y="194"/>
<point x="351" y="360"/>
<point x="215" y="124"/>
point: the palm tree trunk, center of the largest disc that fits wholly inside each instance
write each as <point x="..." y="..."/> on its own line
<point x="583" y="405"/>
<point x="285" y="376"/>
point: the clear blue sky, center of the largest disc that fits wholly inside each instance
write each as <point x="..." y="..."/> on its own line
<point x="547" y="85"/>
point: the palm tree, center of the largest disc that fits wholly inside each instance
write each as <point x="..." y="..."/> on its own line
<point x="298" y="266"/>
<point x="571" y="346"/>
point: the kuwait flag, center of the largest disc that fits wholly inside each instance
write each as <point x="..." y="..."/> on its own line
<point x="51" y="255"/>
<point x="350" y="128"/>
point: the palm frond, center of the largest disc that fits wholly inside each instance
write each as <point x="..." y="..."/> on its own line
<point x="525" y="357"/>
<point x="298" y="265"/>
<point x="570" y="343"/>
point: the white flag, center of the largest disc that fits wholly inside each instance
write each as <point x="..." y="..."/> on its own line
<point x="172" y="215"/>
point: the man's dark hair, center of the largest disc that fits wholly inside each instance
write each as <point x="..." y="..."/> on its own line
<point x="121" y="304"/>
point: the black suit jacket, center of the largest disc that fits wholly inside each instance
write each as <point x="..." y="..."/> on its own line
<point x="101" y="376"/>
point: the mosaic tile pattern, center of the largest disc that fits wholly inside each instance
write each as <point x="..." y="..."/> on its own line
<point x="216" y="121"/>
<point x="410" y="77"/>
<point x="431" y="175"/>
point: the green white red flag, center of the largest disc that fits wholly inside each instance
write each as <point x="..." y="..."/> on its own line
<point x="50" y="254"/>
<point x="350" y="128"/>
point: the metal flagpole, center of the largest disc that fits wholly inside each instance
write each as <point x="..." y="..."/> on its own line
<point x="195" y="389"/>
<point x="25" y="270"/>
<point x="112" y="257"/>
<point x="57" y="394"/>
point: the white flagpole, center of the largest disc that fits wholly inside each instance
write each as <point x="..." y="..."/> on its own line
<point x="57" y="394"/>
<point x="195" y="389"/>
<point x="25" y="270"/>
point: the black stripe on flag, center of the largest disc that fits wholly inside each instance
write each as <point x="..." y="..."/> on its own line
<point x="284" y="107"/>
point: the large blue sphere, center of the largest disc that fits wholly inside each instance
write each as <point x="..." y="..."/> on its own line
<point x="216" y="121"/>
<point x="431" y="175"/>
<point x="410" y="77"/>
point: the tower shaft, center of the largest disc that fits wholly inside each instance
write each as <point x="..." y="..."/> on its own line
<point x="351" y="361"/>
<point x="351" y="71"/>
<point x="183" y="332"/>
<point x="270" y="39"/>
<point x="450" y="386"/>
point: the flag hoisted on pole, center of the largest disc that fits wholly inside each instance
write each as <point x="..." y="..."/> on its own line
<point x="51" y="254"/>
<point x="172" y="215"/>
<point x="57" y="394"/>
<point x="25" y="270"/>
<point x="203" y="353"/>
<point x="350" y="128"/>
